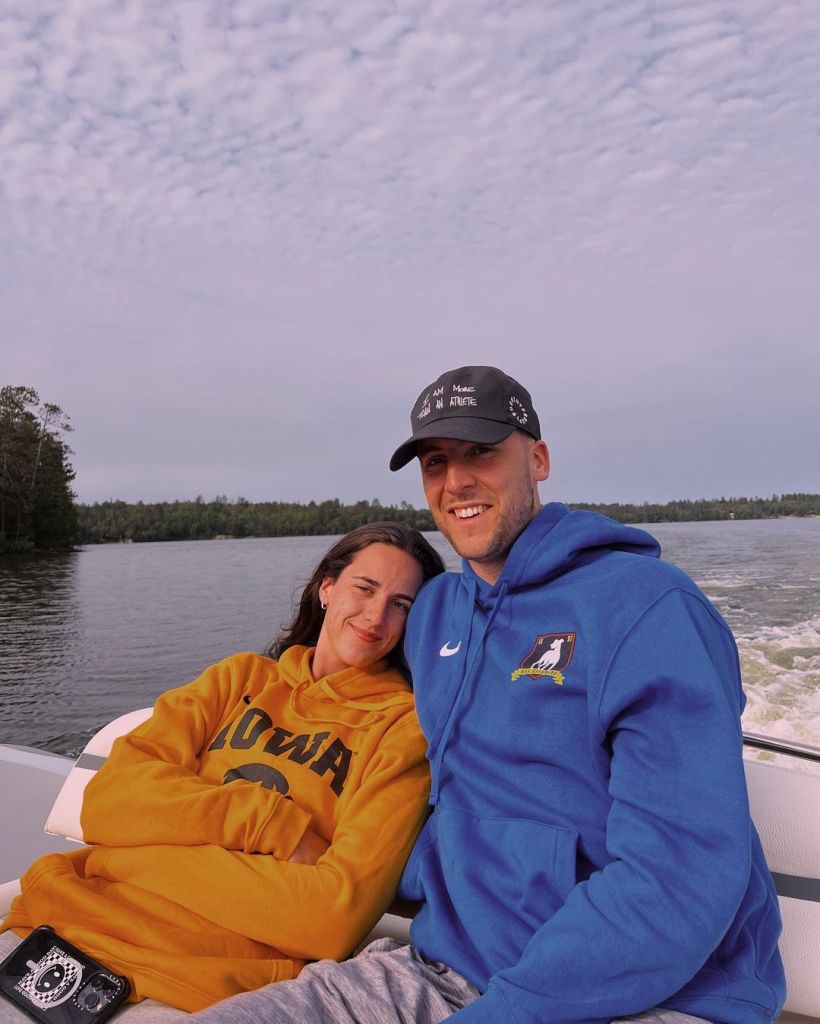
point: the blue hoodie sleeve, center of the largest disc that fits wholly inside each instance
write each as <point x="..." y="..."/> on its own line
<point x="678" y="834"/>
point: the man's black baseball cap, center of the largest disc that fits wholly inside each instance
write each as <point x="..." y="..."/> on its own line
<point x="473" y="403"/>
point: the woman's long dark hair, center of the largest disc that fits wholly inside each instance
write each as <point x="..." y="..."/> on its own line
<point x="307" y="622"/>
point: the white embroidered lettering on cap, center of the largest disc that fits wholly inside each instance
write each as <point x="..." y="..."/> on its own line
<point x="472" y="398"/>
<point x="517" y="410"/>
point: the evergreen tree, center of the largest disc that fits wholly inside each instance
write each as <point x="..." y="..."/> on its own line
<point x="36" y="501"/>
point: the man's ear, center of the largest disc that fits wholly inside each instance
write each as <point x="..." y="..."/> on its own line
<point x="540" y="461"/>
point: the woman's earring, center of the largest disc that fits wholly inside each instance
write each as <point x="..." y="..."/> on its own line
<point x="322" y="605"/>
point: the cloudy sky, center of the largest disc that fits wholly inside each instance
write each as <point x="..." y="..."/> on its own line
<point x="238" y="237"/>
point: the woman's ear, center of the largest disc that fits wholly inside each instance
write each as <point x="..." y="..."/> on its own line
<point x="324" y="589"/>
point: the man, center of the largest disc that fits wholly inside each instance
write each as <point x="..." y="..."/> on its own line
<point x="590" y="855"/>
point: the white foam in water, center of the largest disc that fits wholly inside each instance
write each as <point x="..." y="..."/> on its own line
<point x="723" y="583"/>
<point x="781" y="676"/>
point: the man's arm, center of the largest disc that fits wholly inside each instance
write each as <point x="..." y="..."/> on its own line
<point x="678" y="833"/>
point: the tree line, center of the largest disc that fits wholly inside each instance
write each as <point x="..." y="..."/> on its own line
<point x="37" y="508"/>
<point x="111" y="521"/>
<point x="710" y="509"/>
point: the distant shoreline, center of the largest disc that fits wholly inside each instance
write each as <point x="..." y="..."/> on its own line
<point x="119" y="521"/>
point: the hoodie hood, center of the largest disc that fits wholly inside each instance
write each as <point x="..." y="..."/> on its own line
<point x="558" y="540"/>
<point x="341" y="696"/>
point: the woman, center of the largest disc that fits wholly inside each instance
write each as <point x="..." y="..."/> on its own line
<point x="261" y="817"/>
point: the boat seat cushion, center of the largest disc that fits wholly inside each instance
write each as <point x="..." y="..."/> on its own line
<point x="8" y="891"/>
<point x="64" y="817"/>
<point x="785" y="804"/>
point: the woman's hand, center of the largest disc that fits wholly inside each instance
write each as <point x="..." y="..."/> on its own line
<point x="309" y="848"/>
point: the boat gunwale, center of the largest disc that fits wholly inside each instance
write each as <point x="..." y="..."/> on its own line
<point x="775" y="745"/>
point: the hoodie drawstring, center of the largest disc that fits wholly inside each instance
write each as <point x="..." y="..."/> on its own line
<point x="440" y="738"/>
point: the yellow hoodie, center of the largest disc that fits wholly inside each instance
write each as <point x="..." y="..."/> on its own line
<point x="188" y="890"/>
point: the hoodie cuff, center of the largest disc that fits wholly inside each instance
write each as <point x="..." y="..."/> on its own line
<point x="280" y="833"/>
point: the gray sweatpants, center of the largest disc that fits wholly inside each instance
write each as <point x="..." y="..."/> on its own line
<point x="387" y="983"/>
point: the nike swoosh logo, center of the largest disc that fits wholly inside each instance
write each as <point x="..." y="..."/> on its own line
<point x="447" y="650"/>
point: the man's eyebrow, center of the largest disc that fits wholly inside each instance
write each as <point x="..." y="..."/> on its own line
<point x="375" y="583"/>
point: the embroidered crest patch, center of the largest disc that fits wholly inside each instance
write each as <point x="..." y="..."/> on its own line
<point x="550" y="655"/>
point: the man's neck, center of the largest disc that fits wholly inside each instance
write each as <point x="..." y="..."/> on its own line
<point x="490" y="570"/>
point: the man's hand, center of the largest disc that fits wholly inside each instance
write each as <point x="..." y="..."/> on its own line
<point x="310" y="848"/>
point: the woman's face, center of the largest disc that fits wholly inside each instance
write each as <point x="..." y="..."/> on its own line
<point x="367" y="608"/>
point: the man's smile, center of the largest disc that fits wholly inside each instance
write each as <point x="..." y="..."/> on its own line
<point x="469" y="512"/>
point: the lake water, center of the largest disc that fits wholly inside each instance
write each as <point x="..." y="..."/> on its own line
<point x="87" y="636"/>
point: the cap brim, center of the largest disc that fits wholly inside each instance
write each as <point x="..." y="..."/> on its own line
<point x="457" y="428"/>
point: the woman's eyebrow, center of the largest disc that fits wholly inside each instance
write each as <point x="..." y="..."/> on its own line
<point x="368" y="579"/>
<point x="375" y="583"/>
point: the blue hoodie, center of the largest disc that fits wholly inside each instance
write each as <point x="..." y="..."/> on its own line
<point x="590" y="854"/>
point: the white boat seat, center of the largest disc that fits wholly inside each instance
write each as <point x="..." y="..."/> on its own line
<point x="785" y="806"/>
<point x="64" y="817"/>
<point x="8" y="890"/>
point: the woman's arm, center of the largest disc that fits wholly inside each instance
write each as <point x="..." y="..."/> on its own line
<point x="149" y="791"/>
<point x="307" y="911"/>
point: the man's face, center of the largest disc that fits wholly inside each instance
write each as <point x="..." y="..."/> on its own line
<point x="483" y="495"/>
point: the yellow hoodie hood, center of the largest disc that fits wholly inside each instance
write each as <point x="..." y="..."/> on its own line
<point x="341" y="696"/>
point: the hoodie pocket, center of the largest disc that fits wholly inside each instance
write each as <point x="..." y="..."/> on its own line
<point x="496" y="879"/>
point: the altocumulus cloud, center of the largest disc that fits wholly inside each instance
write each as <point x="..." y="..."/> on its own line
<point x="222" y="198"/>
